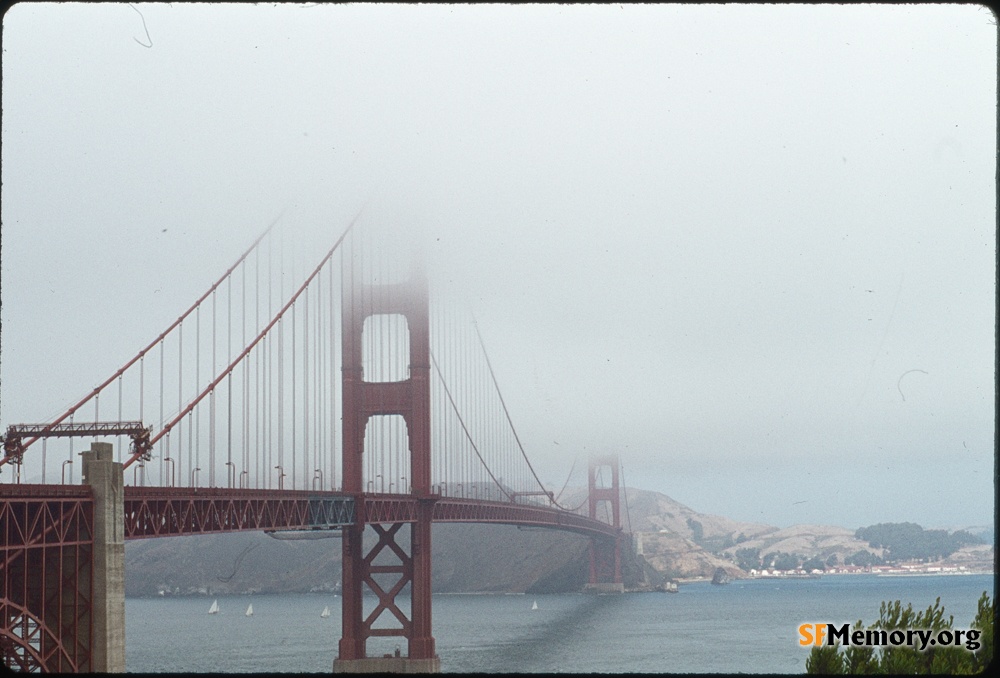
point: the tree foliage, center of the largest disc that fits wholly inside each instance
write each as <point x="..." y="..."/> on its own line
<point x="814" y="563"/>
<point x="860" y="660"/>
<point x="909" y="541"/>
<point x="748" y="559"/>
<point x="863" y="559"/>
<point x="697" y="530"/>
<point x="781" y="561"/>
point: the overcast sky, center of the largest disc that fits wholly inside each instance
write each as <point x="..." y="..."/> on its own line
<point x="751" y="249"/>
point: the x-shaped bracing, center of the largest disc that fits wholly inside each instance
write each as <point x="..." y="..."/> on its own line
<point x="387" y="599"/>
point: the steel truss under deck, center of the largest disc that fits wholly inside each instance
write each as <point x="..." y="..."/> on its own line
<point x="46" y="577"/>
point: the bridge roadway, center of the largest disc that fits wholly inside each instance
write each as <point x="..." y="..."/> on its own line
<point x="173" y="511"/>
<point x="63" y="549"/>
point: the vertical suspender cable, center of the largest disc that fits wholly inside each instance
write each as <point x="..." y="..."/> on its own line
<point x="268" y="402"/>
<point x="334" y="318"/>
<point x="335" y="313"/>
<point x="211" y="407"/>
<point x="119" y="441"/>
<point x="338" y="345"/>
<point x="71" y="417"/>
<point x="281" y="364"/>
<point x="142" y="362"/>
<point x="317" y="384"/>
<point x="246" y="384"/>
<point x="294" y="390"/>
<point x="230" y="469"/>
<point x="180" y="395"/>
<point x="319" y="428"/>
<point x="305" y="377"/>
<point x="197" y="384"/>
<point x="257" y="418"/>
<point x="281" y="371"/>
<point x="281" y="398"/>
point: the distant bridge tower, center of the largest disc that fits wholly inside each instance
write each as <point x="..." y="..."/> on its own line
<point x="605" y="554"/>
<point x="409" y="398"/>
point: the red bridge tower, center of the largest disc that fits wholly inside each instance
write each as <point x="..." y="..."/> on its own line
<point x="409" y="398"/>
<point x="605" y="554"/>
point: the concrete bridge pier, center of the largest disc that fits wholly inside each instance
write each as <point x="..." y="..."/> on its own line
<point x="104" y="476"/>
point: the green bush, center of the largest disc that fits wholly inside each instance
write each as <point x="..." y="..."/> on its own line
<point x="857" y="660"/>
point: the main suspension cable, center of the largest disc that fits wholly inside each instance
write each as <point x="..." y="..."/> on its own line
<point x="517" y="439"/>
<point x="462" y="423"/>
<point x="97" y="390"/>
<point x="628" y="515"/>
<point x="247" y="350"/>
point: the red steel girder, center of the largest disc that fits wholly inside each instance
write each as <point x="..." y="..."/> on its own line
<point x="387" y="599"/>
<point x="46" y="577"/>
<point x="172" y="511"/>
<point x="14" y="445"/>
<point x="400" y="508"/>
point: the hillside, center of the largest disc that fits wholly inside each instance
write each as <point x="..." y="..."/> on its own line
<point x="820" y="541"/>
<point x="671" y="540"/>
<point x="465" y="557"/>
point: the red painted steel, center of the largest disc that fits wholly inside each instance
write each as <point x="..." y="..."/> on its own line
<point x="246" y="351"/>
<point x="14" y="446"/>
<point x="46" y="577"/>
<point x="409" y="398"/>
<point x="172" y="511"/>
<point x="152" y="344"/>
<point x="605" y="557"/>
<point x="47" y="543"/>
<point x="47" y="530"/>
<point x="384" y="508"/>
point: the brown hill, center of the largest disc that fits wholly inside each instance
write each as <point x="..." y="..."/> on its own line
<point x="820" y="541"/>
<point x="676" y="541"/>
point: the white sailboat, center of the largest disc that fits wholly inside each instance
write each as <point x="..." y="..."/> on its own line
<point x="215" y="607"/>
<point x="534" y="605"/>
<point x="250" y="610"/>
<point x="325" y="613"/>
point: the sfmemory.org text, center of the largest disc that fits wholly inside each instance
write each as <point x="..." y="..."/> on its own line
<point x="919" y="639"/>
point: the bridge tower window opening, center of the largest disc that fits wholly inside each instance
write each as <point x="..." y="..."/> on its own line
<point x="387" y="455"/>
<point x="385" y="345"/>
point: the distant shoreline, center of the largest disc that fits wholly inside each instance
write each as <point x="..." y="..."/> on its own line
<point x="694" y="580"/>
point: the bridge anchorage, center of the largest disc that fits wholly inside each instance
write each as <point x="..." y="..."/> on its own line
<point x="62" y="545"/>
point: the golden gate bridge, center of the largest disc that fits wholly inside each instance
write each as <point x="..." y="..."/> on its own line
<point x="351" y="403"/>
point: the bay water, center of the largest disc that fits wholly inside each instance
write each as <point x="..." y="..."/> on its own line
<point x="747" y="626"/>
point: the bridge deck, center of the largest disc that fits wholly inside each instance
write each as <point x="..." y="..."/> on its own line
<point x="162" y="512"/>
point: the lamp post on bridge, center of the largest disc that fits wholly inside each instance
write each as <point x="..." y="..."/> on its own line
<point x="168" y="459"/>
<point x="231" y="473"/>
<point x="194" y="475"/>
<point x="317" y="475"/>
<point x="281" y="477"/>
<point x="68" y="461"/>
